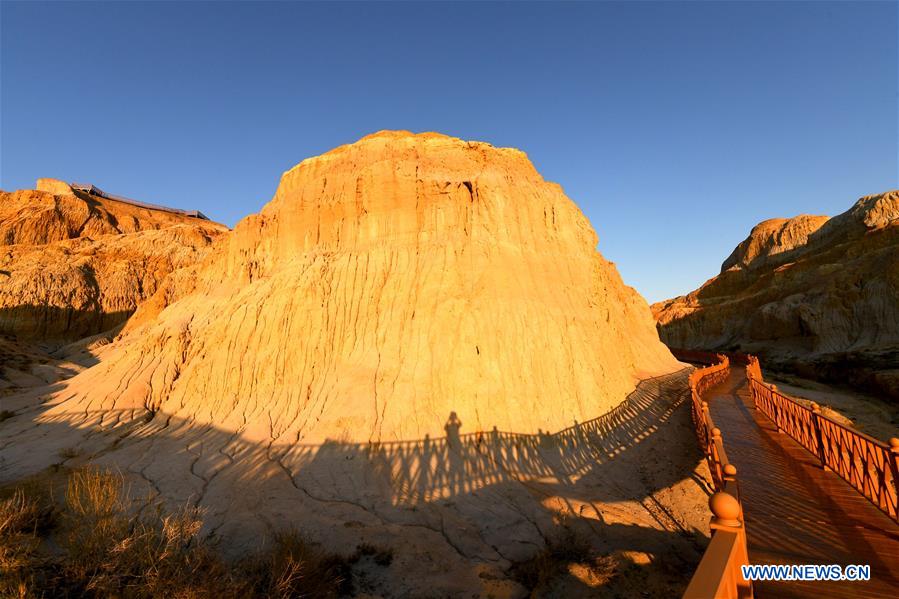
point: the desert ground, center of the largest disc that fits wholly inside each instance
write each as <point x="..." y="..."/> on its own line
<point x="414" y="358"/>
<point x="412" y="364"/>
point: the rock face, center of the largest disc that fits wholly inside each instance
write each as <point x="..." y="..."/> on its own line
<point x="814" y="295"/>
<point x="75" y="265"/>
<point x="414" y="345"/>
<point x="388" y="284"/>
<point x="773" y="240"/>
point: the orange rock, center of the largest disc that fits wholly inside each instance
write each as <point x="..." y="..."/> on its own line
<point x="405" y="287"/>
<point x="54" y="186"/>
<point x="773" y="239"/>
<point x="810" y="294"/>
<point x="389" y="283"/>
<point x="73" y="266"/>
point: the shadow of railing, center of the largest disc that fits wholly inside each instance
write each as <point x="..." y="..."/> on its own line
<point x="422" y="470"/>
<point x="491" y="496"/>
<point x="431" y="469"/>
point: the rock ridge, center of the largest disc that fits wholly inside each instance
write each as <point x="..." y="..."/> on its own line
<point x="73" y="265"/>
<point x="386" y="285"/>
<point x="813" y="295"/>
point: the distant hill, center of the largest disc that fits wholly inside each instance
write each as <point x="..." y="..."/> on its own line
<point x="815" y="295"/>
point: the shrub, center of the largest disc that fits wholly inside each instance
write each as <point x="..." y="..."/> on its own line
<point x="19" y="522"/>
<point x="293" y="568"/>
<point x="104" y="547"/>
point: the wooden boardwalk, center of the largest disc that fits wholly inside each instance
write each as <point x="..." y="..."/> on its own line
<point x="797" y="513"/>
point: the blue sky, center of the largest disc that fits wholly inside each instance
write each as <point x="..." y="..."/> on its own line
<point x="675" y="126"/>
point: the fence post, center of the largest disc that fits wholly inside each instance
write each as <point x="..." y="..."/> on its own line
<point x="894" y="464"/>
<point x="727" y="515"/>
<point x="730" y="476"/>
<point x="819" y="440"/>
<point x="778" y="410"/>
<point x="705" y="425"/>
<point x="730" y="473"/>
<point x="714" y="442"/>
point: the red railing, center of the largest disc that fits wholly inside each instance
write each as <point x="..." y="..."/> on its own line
<point x="718" y="574"/>
<point x="869" y="465"/>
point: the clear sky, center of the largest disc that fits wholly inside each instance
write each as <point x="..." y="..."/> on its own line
<point x="675" y="126"/>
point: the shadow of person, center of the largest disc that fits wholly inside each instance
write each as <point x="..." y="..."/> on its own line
<point x="452" y="426"/>
<point x="455" y="454"/>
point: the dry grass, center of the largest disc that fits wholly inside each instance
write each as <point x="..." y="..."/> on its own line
<point x="89" y="540"/>
<point x="26" y="515"/>
<point x="293" y="568"/>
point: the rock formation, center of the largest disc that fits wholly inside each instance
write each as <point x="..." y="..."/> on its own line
<point x="810" y="294"/>
<point x="389" y="283"/>
<point x="73" y="265"/>
<point x="770" y="240"/>
<point x="415" y="345"/>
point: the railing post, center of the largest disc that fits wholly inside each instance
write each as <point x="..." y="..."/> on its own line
<point x="713" y="452"/>
<point x="778" y="410"/>
<point x="730" y="473"/>
<point x="705" y="424"/>
<point x="894" y="464"/>
<point x="816" y="413"/>
<point x="728" y="516"/>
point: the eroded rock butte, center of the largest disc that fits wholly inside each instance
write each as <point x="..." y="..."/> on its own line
<point x="389" y="283"/>
<point x="414" y="345"/>
<point x="811" y="294"/>
<point x="73" y="265"/>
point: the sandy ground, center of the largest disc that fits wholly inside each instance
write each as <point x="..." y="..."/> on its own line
<point x="462" y="515"/>
<point x="866" y="413"/>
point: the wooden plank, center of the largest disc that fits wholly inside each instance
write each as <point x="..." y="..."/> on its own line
<point x="796" y="512"/>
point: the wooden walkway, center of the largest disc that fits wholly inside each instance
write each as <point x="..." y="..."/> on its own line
<point x="797" y="513"/>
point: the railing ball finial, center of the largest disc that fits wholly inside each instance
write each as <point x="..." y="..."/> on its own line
<point x="716" y="433"/>
<point x="894" y="445"/>
<point x="815" y="407"/>
<point x="730" y="470"/>
<point x="725" y="508"/>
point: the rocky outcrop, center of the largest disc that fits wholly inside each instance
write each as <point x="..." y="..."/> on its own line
<point x="414" y="345"/>
<point x="73" y="265"/>
<point x="814" y="295"/>
<point x="772" y="241"/>
<point x="388" y="284"/>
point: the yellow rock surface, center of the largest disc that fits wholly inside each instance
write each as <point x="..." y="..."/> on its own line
<point x="73" y="266"/>
<point x="54" y="186"/>
<point x="772" y="239"/>
<point x="812" y="295"/>
<point x="389" y="283"/>
<point x="329" y="364"/>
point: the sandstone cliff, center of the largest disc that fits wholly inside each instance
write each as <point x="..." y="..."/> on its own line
<point x="815" y="295"/>
<point x="338" y="363"/>
<point x="388" y="284"/>
<point x="73" y="265"/>
<point x="772" y="241"/>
